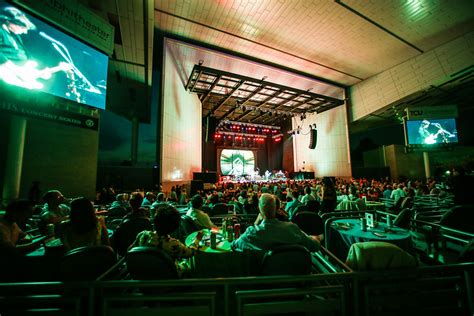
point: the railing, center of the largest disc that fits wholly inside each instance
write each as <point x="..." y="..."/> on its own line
<point x="417" y="291"/>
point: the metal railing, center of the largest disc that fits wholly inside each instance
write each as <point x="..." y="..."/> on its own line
<point x="446" y="287"/>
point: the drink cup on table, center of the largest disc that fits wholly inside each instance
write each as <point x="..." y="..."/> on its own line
<point x="198" y="238"/>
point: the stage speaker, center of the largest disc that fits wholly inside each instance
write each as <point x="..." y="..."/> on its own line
<point x="206" y="177"/>
<point x="313" y="138"/>
<point x="210" y="125"/>
<point x="195" y="186"/>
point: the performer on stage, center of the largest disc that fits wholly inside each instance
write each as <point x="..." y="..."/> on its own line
<point x="268" y="174"/>
<point x="432" y="133"/>
<point x="16" y="66"/>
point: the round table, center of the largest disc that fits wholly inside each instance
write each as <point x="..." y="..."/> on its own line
<point x="222" y="245"/>
<point x="222" y="261"/>
<point x="345" y="232"/>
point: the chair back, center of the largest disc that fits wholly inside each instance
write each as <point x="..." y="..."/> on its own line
<point x="300" y="208"/>
<point x="117" y="211"/>
<point x="309" y="222"/>
<point x="86" y="263"/>
<point x="287" y="260"/>
<point x="206" y="209"/>
<point x="147" y="263"/>
<point x="403" y="218"/>
<point x="127" y="232"/>
<point x="239" y="208"/>
<point x="467" y="253"/>
<point x="187" y="226"/>
<point x="313" y="206"/>
<point x="459" y="217"/>
<point x="220" y="209"/>
<point x="377" y="255"/>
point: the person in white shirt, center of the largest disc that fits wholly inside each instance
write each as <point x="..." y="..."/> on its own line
<point x="199" y="216"/>
<point x="397" y="194"/>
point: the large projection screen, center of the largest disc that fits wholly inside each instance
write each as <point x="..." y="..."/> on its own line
<point x="236" y="162"/>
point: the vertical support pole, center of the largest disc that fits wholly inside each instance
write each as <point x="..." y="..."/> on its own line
<point x="426" y="161"/>
<point x="14" y="159"/>
<point x="134" y="142"/>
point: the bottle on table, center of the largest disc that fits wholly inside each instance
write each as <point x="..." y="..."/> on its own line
<point x="230" y="233"/>
<point x="236" y="230"/>
<point x="213" y="240"/>
<point x="198" y="238"/>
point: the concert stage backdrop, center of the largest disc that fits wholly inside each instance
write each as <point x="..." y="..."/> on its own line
<point x="237" y="162"/>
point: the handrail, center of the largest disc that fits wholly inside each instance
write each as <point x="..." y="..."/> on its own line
<point x="111" y="269"/>
<point x="333" y="257"/>
<point x="98" y="291"/>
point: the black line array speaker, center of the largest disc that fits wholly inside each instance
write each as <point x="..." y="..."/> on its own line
<point x="313" y="138"/>
<point x="210" y="124"/>
<point x="196" y="185"/>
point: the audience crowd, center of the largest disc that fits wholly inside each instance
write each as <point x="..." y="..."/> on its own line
<point x="274" y="204"/>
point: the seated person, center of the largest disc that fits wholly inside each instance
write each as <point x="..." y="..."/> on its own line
<point x="166" y="221"/>
<point x="136" y="201"/>
<point x="308" y="196"/>
<point x="199" y="216"/>
<point x="160" y="199"/>
<point x="149" y="199"/>
<point x="291" y="206"/>
<point x="54" y="209"/>
<point x="121" y="200"/>
<point x="271" y="232"/>
<point x="83" y="227"/>
<point x="12" y="237"/>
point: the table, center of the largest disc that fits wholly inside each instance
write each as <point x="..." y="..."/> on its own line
<point x="222" y="245"/>
<point x="222" y="261"/>
<point x="345" y="232"/>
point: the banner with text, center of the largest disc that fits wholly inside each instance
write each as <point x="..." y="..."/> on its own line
<point x="45" y="107"/>
<point x="433" y="112"/>
<point x="76" y="19"/>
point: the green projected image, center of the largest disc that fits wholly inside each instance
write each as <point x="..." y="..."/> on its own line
<point x="237" y="162"/>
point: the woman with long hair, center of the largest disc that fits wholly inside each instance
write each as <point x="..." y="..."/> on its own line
<point x="84" y="228"/>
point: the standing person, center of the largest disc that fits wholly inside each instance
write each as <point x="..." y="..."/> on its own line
<point x="328" y="196"/>
<point x="272" y="232"/>
<point x="397" y="194"/>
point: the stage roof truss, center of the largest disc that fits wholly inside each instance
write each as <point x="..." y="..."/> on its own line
<point x="228" y="96"/>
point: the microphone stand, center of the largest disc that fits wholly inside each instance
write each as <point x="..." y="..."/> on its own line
<point x="64" y="52"/>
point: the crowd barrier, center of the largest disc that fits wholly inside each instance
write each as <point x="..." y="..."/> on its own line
<point x="439" y="290"/>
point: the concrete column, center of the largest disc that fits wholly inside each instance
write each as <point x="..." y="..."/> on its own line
<point x="426" y="161"/>
<point x="134" y="142"/>
<point x="14" y="158"/>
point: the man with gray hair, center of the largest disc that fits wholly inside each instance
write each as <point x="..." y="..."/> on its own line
<point x="271" y="232"/>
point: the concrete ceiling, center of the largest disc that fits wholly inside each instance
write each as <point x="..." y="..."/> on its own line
<point x="343" y="42"/>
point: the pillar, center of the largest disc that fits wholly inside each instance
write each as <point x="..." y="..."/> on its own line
<point x="14" y="158"/>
